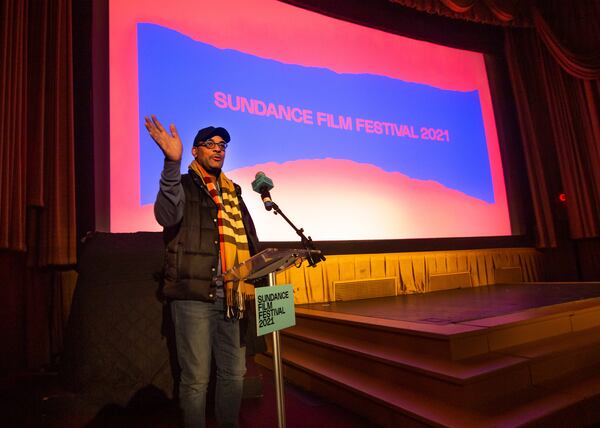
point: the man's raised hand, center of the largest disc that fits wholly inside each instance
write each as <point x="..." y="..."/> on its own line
<point x="170" y="144"/>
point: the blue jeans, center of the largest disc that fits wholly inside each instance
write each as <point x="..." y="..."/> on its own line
<point x="201" y="331"/>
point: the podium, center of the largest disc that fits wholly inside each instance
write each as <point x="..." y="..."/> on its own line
<point x="271" y="260"/>
<point x="268" y="263"/>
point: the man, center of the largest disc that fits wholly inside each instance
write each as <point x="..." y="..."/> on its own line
<point x="207" y="230"/>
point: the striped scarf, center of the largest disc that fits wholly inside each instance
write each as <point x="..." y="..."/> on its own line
<point x="232" y="237"/>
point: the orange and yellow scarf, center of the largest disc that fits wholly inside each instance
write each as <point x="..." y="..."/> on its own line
<point x="232" y="237"/>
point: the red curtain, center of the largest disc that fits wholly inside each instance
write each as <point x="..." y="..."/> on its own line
<point x="37" y="177"/>
<point x="37" y="189"/>
<point x="540" y="161"/>
<point x="555" y="72"/>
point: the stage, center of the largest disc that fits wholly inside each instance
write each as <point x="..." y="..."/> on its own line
<point x="498" y="355"/>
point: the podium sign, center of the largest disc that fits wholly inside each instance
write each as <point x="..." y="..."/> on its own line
<point x="274" y="308"/>
<point x="274" y="304"/>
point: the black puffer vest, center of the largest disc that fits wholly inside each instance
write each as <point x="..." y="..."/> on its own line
<point x="192" y="246"/>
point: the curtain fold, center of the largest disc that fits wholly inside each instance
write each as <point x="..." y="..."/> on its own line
<point x="531" y="111"/>
<point x="38" y="82"/>
<point x="581" y="65"/>
<point x="504" y="10"/>
<point x="493" y="12"/>
<point x="13" y="45"/>
<point x="459" y="6"/>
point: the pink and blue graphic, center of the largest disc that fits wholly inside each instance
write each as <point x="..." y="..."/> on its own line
<point x="366" y="135"/>
<point x="203" y="81"/>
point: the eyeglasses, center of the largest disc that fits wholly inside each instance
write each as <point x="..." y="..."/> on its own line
<point x="210" y="144"/>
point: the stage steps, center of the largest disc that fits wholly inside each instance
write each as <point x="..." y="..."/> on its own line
<point x="416" y="374"/>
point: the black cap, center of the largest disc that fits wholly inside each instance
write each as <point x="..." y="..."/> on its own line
<point x="209" y="132"/>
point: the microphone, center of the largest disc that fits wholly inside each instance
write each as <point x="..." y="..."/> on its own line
<point x="262" y="184"/>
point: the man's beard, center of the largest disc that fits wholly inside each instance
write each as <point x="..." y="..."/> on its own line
<point x="214" y="171"/>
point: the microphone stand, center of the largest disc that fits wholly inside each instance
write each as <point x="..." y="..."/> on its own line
<point x="314" y="255"/>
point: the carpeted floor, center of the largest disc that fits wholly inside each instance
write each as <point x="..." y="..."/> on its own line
<point x="37" y="400"/>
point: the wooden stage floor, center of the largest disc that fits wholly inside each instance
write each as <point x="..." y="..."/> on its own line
<point x="464" y="304"/>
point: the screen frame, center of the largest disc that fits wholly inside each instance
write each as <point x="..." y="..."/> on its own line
<point x="381" y="15"/>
